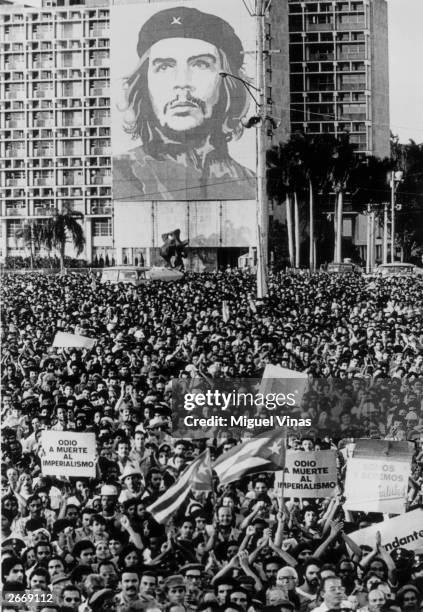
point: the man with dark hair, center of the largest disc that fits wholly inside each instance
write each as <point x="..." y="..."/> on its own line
<point x="71" y="597"/>
<point x="148" y="583"/>
<point x="222" y="587"/>
<point x="12" y="570"/>
<point x="84" y="552"/>
<point x="185" y="111"/>
<point x="240" y="596"/>
<point x="308" y="590"/>
<point x="107" y="571"/>
<point x="129" y="583"/>
<point x="39" y="579"/>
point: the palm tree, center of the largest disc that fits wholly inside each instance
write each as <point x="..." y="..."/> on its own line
<point x="58" y="228"/>
<point x="342" y="166"/>
<point x="31" y="235"/>
<point x="372" y="192"/>
<point x="315" y="154"/>
<point x="284" y="182"/>
<point x="409" y="217"/>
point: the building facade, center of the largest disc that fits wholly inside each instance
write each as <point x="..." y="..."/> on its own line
<point x="326" y="71"/>
<point x="339" y="71"/>
<point x="54" y="121"/>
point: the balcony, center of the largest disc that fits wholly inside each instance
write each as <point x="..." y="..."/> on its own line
<point x="101" y="210"/>
<point x="44" y="123"/>
<point x="321" y="57"/>
<point x="99" y="32"/>
<point x="99" y="62"/>
<point x="72" y="180"/>
<point x="15" y="124"/>
<point x="353" y="25"/>
<point x="16" y="37"/>
<point x="99" y="91"/>
<point x="43" y="182"/>
<point x="353" y="117"/>
<point x="101" y="180"/>
<point x="100" y="120"/>
<point x="100" y="151"/>
<point x="43" y="35"/>
<point x="359" y="55"/>
<point x="43" y="152"/>
<point x="15" y="66"/>
<point x="15" y="182"/>
<point x="16" y="211"/>
<point x="14" y="153"/>
<point x="352" y="86"/>
<point x="43" y="211"/>
<point x="319" y="27"/>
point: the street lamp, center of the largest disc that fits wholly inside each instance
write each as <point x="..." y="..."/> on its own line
<point x="394" y="177"/>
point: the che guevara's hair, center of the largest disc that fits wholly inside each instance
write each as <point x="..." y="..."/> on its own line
<point x="233" y="104"/>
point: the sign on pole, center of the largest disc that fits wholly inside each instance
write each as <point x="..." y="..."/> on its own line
<point x="377" y="476"/>
<point x="68" y="453"/>
<point x="311" y="474"/>
<point x="404" y="531"/>
<point x="67" y="340"/>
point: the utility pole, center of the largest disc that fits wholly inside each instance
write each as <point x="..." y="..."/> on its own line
<point x="262" y="211"/>
<point x="385" y="234"/>
<point x="368" y="240"/>
<point x="395" y="177"/>
<point x="372" y="239"/>
<point x="261" y="197"/>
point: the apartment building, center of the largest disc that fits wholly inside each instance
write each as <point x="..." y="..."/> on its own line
<point x="54" y="121"/>
<point x="339" y="70"/>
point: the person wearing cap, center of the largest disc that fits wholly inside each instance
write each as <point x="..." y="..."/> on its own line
<point x="57" y="583"/>
<point x="184" y="112"/>
<point x="109" y="497"/>
<point x="175" y="589"/>
<point x="103" y="599"/>
<point x="131" y="478"/>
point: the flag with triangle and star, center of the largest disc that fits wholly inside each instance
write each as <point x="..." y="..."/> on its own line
<point x="196" y="477"/>
<point x="263" y="453"/>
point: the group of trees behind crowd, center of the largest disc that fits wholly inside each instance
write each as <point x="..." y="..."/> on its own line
<point x="317" y="177"/>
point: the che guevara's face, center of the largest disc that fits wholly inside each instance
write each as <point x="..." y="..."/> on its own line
<point x="183" y="82"/>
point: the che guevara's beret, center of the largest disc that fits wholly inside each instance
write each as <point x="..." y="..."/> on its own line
<point x="186" y="22"/>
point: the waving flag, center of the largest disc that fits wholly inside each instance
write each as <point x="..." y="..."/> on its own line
<point x="196" y="477"/>
<point x="264" y="453"/>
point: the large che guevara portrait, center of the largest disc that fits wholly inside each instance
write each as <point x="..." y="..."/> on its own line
<point x="183" y="112"/>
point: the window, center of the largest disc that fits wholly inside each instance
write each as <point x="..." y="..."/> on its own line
<point x="102" y="227"/>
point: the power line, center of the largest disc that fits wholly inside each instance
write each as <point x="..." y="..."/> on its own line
<point x="240" y="180"/>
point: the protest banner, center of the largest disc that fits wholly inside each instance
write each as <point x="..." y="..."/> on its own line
<point x="68" y="453"/>
<point x="276" y="379"/>
<point x="67" y="340"/>
<point x="404" y="531"/>
<point x="377" y="476"/>
<point x="311" y="474"/>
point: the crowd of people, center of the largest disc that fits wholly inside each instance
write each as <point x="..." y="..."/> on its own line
<point x="80" y="544"/>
